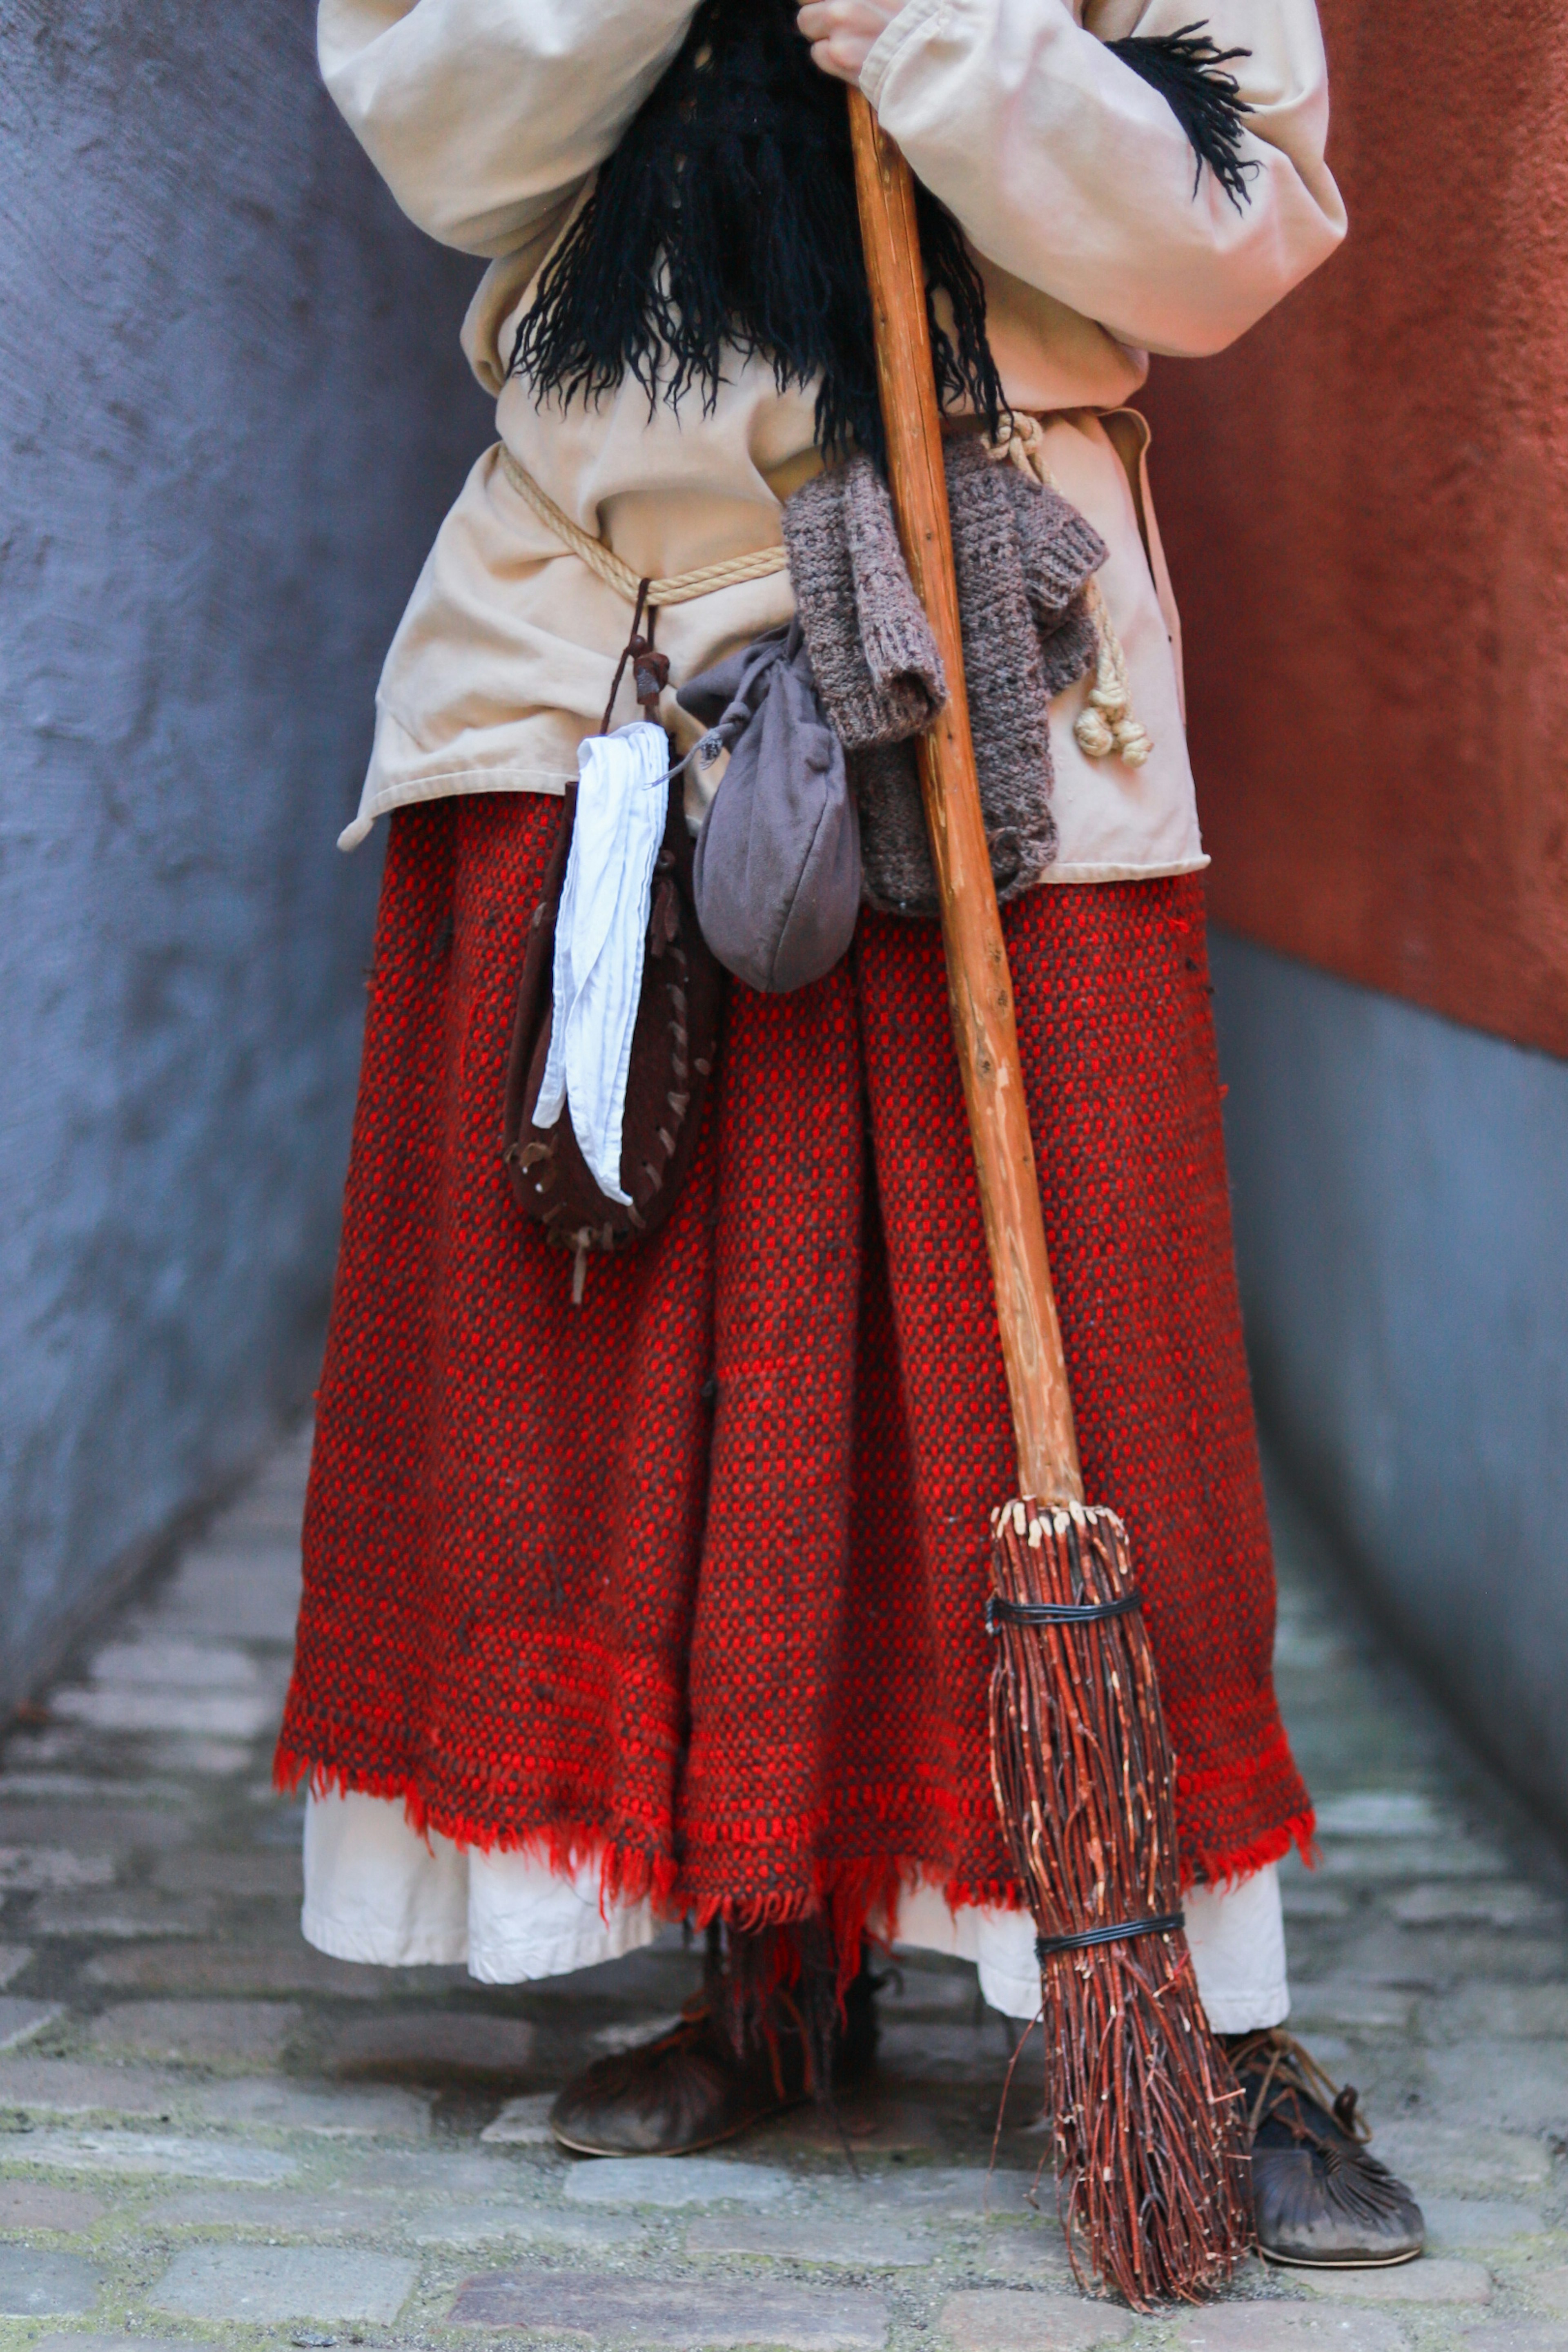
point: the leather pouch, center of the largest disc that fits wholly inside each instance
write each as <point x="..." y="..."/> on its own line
<point x="675" y="1044"/>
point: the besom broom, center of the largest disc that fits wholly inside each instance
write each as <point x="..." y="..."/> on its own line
<point x="1149" y="2135"/>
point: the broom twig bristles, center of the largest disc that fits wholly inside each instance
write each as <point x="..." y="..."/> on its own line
<point x="1149" y="2137"/>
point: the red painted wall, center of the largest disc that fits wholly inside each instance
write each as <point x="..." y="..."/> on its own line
<point x="1366" y="508"/>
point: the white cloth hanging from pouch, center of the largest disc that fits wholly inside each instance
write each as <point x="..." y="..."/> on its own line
<point x="623" y="799"/>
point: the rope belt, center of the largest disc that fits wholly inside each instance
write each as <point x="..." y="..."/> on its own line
<point x="1106" y="726"/>
<point x="680" y="588"/>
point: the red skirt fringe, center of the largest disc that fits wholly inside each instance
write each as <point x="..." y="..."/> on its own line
<point x="691" y="1578"/>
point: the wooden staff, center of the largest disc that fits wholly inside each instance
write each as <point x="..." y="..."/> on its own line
<point x="979" y="985"/>
<point x="1146" y="2113"/>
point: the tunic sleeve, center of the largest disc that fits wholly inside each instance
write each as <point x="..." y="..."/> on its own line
<point x="483" y="115"/>
<point x="1068" y="171"/>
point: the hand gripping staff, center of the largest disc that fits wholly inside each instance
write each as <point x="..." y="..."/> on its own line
<point x="1150" y="2143"/>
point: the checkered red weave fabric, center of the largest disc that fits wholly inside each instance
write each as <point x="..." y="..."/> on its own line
<point x="692" y="1577"/>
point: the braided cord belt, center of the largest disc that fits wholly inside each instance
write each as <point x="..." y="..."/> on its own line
<point x="680" y="588"/>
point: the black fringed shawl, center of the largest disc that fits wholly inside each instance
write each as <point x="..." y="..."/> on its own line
<point x="727" y="218"/>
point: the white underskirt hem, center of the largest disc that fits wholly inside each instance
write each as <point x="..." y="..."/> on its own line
<point x="379" y="1893"/>
<point x="343" y="1940"/>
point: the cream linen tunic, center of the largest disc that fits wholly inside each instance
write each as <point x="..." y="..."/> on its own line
<point x="1075" y="187"/>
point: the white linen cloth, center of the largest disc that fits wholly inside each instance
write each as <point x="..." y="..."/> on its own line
<point x="1097" y="242"/>
<point x="622" y="798"/>
<point x="376" y="1891"/>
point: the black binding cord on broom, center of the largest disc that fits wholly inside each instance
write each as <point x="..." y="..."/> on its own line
<point x="1121" y="1931"/>
<point x="726" y="221"/>
<point x="1055" y="1613"/>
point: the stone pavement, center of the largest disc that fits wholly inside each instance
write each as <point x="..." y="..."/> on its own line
<point x="209" y="2134"/>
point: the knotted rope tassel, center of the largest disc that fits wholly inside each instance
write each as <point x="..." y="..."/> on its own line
<point x="1106" y="726"/>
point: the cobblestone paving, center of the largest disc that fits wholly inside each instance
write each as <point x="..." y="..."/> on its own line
<point x="209" y="2134"/>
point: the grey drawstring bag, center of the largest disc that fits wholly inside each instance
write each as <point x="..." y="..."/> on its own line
<point x="777" y="877"/>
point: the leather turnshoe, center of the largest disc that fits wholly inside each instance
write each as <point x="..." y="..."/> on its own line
<point x="684" y="2091"/>
<point x="1320" y="2201"/>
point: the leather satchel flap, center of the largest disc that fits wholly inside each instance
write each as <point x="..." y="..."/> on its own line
<point x="674" y="1046"/>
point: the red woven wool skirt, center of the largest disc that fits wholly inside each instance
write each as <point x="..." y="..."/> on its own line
<point x="691" y="1578"/>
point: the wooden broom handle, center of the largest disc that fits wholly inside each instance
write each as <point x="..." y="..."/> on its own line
<point x="980" y="984"/>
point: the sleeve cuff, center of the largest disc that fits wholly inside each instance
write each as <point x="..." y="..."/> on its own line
<point x="915" y="19"/>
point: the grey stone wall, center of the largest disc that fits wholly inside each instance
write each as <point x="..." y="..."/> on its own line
<point x="1402" y="1229"/>
<point x="232" y="411"/>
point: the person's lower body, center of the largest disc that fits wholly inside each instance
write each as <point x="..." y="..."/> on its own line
<point x="675" y="1600"/>
<point x="377" y="1891"/>
<point x="1321" y="2201"/>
